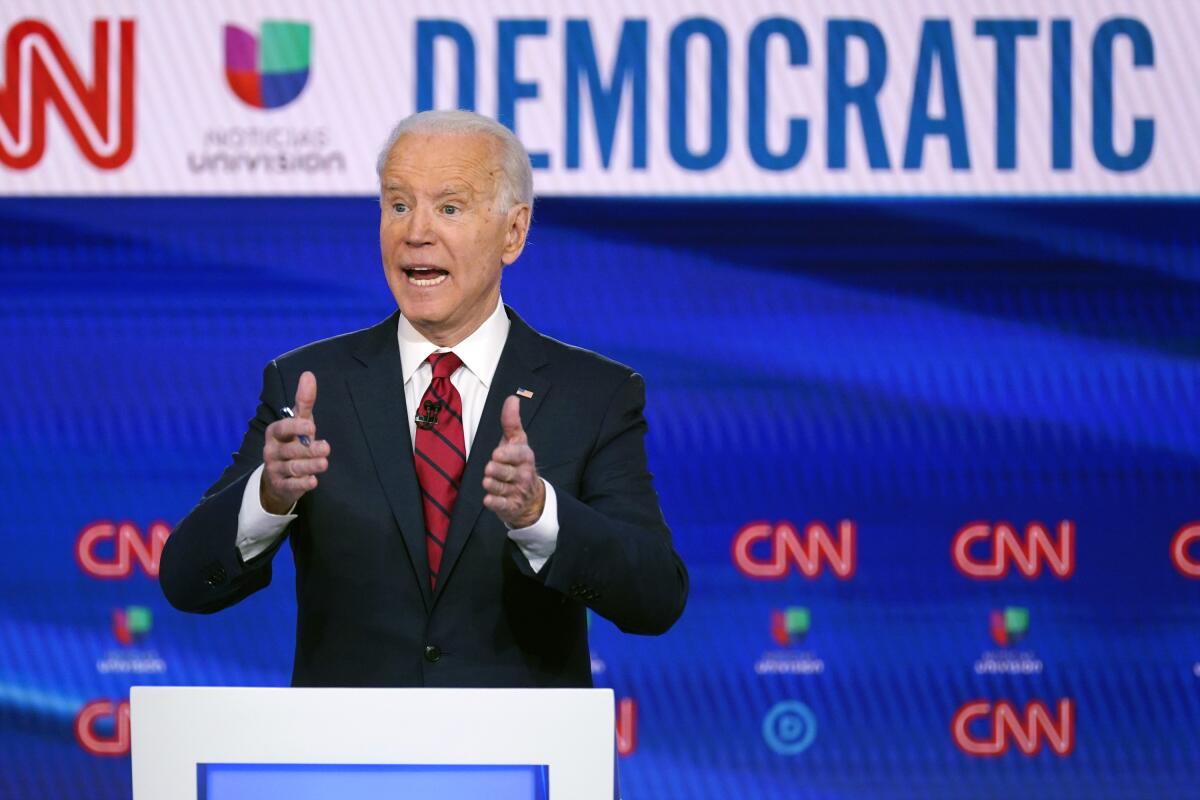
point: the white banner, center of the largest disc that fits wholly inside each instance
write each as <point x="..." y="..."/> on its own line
<point x="815" y="99"/>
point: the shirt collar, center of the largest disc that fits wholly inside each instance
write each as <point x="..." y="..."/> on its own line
<point x="480" y="352"/>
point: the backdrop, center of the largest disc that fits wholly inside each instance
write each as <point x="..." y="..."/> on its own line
<point x="931" y="455"/>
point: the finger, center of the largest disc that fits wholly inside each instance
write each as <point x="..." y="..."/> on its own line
<point x="513" y="454"/>
<point x="302" y="467"/>
<point x="495" y="487"/>
<point x="293" y="449"/>
<point x="306" y="395"/>
<point x="286" y="430"/>
<point x="510" y="421"/>
<point x="504" y="473"/>
<point x="297" y="486"/>
<point x="495" y="503"/>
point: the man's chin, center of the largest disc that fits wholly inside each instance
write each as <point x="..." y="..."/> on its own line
<point x="424" y="309"/>
<point x="423" y="321"/>
<point x="432" y="321"/>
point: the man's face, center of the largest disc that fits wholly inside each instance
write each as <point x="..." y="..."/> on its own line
<point x="443" y="237"/>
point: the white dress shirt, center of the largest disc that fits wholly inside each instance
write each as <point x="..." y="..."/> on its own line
<point x="480" y="354"/>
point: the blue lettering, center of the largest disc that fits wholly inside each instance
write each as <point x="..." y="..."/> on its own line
<point x="937" y="42"/>
<point x="757" y="87"/>
<point x="1102" y="95"/>
<point x="630" y="65"/>
<point x="508" y="87"/>
<point x="428" y="30"/>
<point x="840" y="94"/>
<point x="718" y="93"/>
<point x="1005" y="32"/>
<point x="1062" y="124"/>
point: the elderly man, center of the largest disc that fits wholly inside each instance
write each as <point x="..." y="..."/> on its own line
<point x="463" y="488"/>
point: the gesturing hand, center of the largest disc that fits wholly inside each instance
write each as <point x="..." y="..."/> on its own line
<point x="291" y="468"/>
<point x="513" y="489"/>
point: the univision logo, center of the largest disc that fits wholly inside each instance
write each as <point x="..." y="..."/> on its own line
<point x="131" y="624"/>
<point x="268" y="71"/>
<point x="789" y="626"/>
<point x="1009" y="626"/>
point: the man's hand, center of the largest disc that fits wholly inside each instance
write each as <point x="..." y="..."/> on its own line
<point x="514" y="490"/>
<point x="291" y="468"/>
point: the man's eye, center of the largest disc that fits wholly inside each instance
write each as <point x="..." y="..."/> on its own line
<point x="399" y="208"/>
<point x="450" y="211"/>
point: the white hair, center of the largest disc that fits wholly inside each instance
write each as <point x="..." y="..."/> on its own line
<point x="517" y="184"/>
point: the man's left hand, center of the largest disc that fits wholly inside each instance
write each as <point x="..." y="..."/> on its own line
<point x="513" y="489"/>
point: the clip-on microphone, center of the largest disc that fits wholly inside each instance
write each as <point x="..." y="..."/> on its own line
<point x="429" y="419"/>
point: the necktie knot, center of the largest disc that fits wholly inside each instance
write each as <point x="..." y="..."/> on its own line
<point x="444" y="364"/>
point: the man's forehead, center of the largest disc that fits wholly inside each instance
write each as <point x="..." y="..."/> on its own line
<point x="444" y="150"/>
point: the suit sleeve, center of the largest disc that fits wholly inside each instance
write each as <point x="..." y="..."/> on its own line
<point x="201" y="569"/>
<point x="614" y="549"/>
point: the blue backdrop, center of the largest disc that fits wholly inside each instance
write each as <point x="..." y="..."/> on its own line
<point x="908" y="366"/>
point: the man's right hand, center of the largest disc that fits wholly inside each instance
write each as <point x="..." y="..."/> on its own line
<point x="291" y="468"/>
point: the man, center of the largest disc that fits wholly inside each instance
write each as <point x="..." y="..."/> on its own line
<point x="462" y="488"/>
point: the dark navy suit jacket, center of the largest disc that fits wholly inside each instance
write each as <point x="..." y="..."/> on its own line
<point x="365" y="613"/>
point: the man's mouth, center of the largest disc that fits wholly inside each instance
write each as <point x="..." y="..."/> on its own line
<point x="425" y="276"/>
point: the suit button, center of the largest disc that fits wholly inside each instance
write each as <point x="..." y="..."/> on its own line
<point x="432" y="653"/>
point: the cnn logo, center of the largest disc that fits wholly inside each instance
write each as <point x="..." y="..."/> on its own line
<point x="110" y="550"/>
<point x="1007" y="548"/>
<point x="97" y="113"/>
<point x="766" y="552"/>
<point x="1181" y="555"/>
<point x="103" y="713"/>
<point x="988" y="729"/>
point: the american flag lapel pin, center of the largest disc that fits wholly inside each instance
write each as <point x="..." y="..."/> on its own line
<point x="523" y="392"/>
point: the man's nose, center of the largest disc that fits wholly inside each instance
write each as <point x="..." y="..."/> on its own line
<point x="420" y="227"/>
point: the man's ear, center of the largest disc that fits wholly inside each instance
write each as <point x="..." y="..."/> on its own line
<point x="517" y="222"/>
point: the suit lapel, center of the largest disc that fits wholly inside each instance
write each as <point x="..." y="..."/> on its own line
<point x="378" y="396"/>
<point x="523" y="354"/>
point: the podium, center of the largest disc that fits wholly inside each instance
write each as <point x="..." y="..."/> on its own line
<point x="191" y="743"/>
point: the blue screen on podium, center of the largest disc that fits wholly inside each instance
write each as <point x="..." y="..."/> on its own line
<point x="372" y="781"/>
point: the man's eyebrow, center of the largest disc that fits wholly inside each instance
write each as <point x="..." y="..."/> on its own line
<point x="456" y="188"/>
<point x="446" y="190"/>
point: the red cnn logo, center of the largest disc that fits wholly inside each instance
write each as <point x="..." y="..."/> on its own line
<point x="1007" y="547"/>
<point x="38" y="71"/>
<point x="626" y="726"/>
<point x="1006" y="725"/>
<point x="128" y="546"/>
<point x="116" y="744"/>
<point x="808" y="552"/>
<point x="1184" y="561"/>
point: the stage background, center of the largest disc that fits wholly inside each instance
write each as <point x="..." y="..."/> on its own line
<point x="890" y="368"/>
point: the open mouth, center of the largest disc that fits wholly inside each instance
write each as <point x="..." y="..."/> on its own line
<point x="425" y="276"/>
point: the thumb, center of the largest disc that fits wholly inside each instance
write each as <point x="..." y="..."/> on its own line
<point x="306" y="395"/>
<point x="510" y="421"/>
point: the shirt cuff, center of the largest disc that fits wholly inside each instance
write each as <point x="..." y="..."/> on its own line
<point x="540" y="539"/>
<point x="258" y="528"/>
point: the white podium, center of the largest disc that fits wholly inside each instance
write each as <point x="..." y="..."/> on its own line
<point x="238" y="743"/>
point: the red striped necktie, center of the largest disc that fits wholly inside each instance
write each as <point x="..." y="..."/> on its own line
<point x="440" y="455"/>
